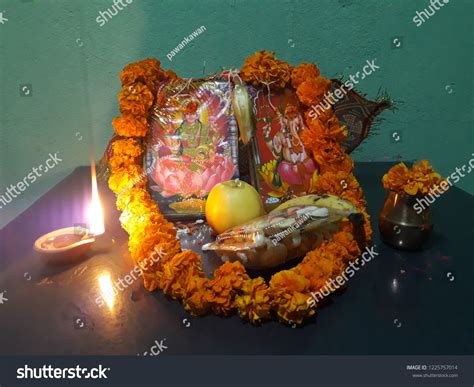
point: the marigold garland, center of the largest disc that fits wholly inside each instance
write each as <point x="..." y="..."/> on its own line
<point x="417" y="180"/>
<point x="264" y="68"/>
<point x="179" y="273"/>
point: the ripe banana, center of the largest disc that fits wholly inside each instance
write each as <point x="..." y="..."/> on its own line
<point x="336" y="206"/>
<point x="243" y="111"/>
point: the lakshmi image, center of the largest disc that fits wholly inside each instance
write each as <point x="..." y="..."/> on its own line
<point x="191" y="159"/>
<point x="195" y="137"/>
<point x="294" y="166"/>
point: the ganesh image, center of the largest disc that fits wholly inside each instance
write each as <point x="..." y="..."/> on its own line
<point x="191" y="147"/>
<point x="293" y="165"/>
<point x="283" y="165"/>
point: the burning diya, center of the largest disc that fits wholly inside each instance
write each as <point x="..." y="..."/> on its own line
<point x="71" y="242"/>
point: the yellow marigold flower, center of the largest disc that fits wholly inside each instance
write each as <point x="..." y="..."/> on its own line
<point x="124" y="153"/>
<point x="126" y="178"/>
<point x="254" y="300"/>
<point x="135" y="194"/>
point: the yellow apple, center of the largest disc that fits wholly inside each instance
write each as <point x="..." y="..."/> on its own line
<point x="232" y="203"/>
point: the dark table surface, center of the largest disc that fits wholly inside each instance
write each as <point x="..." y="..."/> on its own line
<point x="411" y="303"/>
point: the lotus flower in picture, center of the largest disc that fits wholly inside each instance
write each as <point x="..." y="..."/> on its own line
<point x="189" y="177"/>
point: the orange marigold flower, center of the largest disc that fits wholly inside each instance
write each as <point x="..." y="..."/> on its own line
<point x="135" y="99"/>
<point x="178" y="271"/>
<point x="125" y="153"/>
<point x="318" y="130"/>
<point x="227" y="279"/>
<point x="254" y="300"/>
<point x="196" y="300"/>
<point x="144" y="241"/>
<point x="290" y="294"/>
<point x="151" y="267"/>
<point x="130" y="126"/>
<point x="367" y="225"/>
<point x="302" y="72"/>
<point x="147" y="71"/>
<point x="342" y="184"/>
<point x="418" y="180"/>
<point x="336" y="183"/>
<point x="330" y="156"/>
<point x="263" y="68"/>
<point x="317" y="271"/>
<point x="311" y="91"/>
<point x="323" y="116"/>
<point x="126" y="178"/>
<point x="323" y="264"/>
<point x="346" y="239"/>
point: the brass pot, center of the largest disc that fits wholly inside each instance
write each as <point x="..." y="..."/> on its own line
<point x="401" y="226"/>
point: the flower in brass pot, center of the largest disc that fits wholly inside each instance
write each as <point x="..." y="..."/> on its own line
<point x="401" y="223"/>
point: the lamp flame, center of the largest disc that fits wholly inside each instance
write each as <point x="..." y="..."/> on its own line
<point x="95" y="212"/>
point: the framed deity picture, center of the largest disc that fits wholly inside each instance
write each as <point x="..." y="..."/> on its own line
<point x="283" y="168"/>
<point x="192" y="145"/>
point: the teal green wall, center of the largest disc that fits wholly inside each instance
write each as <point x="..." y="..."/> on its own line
<point x="73" y="64"/>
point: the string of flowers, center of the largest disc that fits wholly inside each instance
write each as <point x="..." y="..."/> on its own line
<point x="179" y="273"/>
<point x="417" y="180"/>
